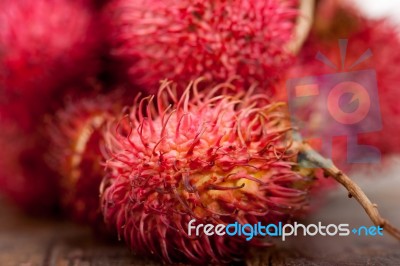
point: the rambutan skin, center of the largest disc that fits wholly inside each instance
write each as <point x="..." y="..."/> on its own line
<point x="44" y="46"/>
<point x="25" y="178"/>
<point x="181" y="40"/>
<point x="76" y="136"/>
<point x="215" y="158"/>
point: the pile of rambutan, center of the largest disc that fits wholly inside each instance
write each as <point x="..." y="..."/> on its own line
<point x="47" y="47"/>
<point x="138" y="116"/>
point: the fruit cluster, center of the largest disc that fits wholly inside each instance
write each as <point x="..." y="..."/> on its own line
<point x="137" y="116"/>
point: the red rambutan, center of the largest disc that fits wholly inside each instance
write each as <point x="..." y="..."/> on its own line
<point x="76" y="136"/>
<point x="363" y="34"/>
<point x="25" y="179"/>
<point x="181" y="40"/>
<point x="44" y="45"/>
<point x="218" y="159"/>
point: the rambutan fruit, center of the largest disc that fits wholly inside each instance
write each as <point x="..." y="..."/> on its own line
<point x="44" y="46"/>
<point x="217" y="157"/>
<point x="181" y="40"/>
<point x="25" y="178"/>
<point x="381" y="39"/>
<point x="76" y="135"/>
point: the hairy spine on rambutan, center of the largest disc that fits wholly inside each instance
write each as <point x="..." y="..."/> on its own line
<point x="217" y="158"/>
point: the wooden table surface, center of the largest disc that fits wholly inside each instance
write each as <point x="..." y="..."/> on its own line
<point x="28" y="241"/>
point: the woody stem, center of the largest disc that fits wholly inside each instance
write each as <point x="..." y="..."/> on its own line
<point x="354" y="190"/>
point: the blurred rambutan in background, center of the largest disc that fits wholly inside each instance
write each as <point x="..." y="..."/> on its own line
<point x="76" y="134"/>
<point x="181" y="40"/>
<point x="338" y="20"/>
<point x="212" y="156"/>
<point x="25" y="179"/>
<point x="45" y="46"/>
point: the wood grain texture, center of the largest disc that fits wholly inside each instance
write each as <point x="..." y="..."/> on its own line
<point x="27" y="241"/>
